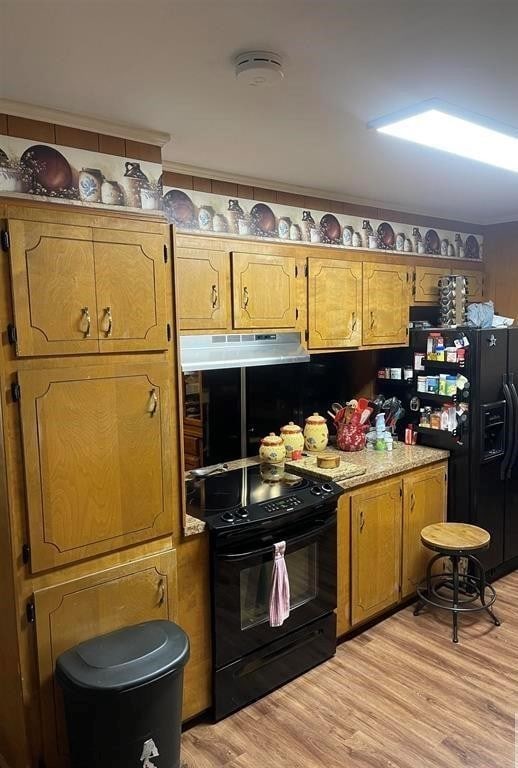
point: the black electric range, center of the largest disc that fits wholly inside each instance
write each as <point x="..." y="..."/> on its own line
<point x="255" y="497"/>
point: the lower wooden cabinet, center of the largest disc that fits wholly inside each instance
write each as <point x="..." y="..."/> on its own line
<point x="75" y="611"/>
<point x="375" y="549"/>
<point x="379" y="553"/>
<point x="425" y="499"/>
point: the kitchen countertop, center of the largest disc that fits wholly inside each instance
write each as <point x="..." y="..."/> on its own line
<point x="378" y="466"/>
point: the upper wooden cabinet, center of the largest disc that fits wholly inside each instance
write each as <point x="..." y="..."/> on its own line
<point x="425" y="502"/>
<point x="78" y="610"/>
<point x="263" y="290"/>
<point x="426" y="285"/>
<point x="131" y="293"/>
<point x="203" y="289"/>
<point x="81" y="289"/>
<point x="98" y="461"/>
<point x="334" y="303"/>
<point x="386" y="300"/>
<point x="375" y="549"/>
<point x="476" y="290"/>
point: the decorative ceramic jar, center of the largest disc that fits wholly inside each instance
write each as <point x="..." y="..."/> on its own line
<point x="272" y="449"/>
<point x="244" y="226"/>
<point x="357" y="240"/>
<point x="133" y="181"/>
<point x="409" y="246"/>
<point x="219" y="223"/>
<point x="10" y="178"/>
<point x="347" y="235"/>
<point x="90" y="182"/>
<point x="205" y="216"/>
<point x="150" y="199"/>
<point x="444" y="247"/>
<point x="314" y="235"/>
<point x="316" y="433"/>
<point x="284" y="228"/>
<point x="111" y="193"/>
<point x="295" y="233"/>
<point x="292" y="437"/>
<point x="308" y="223"/>
<point x="234" y="214"/>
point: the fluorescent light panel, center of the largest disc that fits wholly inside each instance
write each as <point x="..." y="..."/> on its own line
<point x="436" y="127"/>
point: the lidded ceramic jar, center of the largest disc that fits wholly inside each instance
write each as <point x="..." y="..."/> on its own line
<point x="316" y="433"/>
<point x="272" y="449"/>
<point x="292" y="437"/>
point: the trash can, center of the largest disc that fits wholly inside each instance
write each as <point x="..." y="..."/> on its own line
<point x="123" y="697"/>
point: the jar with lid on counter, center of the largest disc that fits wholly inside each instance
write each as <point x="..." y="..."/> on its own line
<point x="292" y="438"/>
<point x="316" y="433"/>
<point x="272" y="449"/>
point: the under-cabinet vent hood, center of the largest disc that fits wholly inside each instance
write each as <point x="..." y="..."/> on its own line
<point x="209" y="353"/>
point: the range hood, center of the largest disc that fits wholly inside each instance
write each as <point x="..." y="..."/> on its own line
<point x="236" y="350"/>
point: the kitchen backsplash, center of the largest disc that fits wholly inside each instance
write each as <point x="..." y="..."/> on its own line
<point x="207" y="212"/>
<point x="79" y="176"/>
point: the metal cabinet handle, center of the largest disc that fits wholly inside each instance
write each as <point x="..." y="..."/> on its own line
<point x="214" y="297"/>
<point x="354" y="322"/>
<point x="86" y="322"/>
<point x="246" y="297"/>
<point x="152" y="405"/>
<point x="161" y="592"/>
<point x="107" y="321"/>
<point x="372" y="321"/>
<point x="362" y="520"/>
<point x="412" y="501"/>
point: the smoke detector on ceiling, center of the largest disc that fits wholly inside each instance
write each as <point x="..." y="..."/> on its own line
<point x="258" y="67"/>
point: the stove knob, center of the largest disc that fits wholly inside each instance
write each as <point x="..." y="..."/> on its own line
<point x="228" y="517"/>
<point x="242" y="513"/>
<point x="316" y="490"/>
<point x="327" y="488"/>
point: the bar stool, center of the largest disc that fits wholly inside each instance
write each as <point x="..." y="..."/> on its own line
<point x="463" y="590"/>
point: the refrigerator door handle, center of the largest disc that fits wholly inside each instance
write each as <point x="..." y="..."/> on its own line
<point x="514" y="397"/>
<point x="509" y="431"/>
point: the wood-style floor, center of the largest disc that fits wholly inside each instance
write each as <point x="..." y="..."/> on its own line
<point x="400" y="695"/>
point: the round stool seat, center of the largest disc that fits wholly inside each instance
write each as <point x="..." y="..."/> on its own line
<point x="454" y="537"/>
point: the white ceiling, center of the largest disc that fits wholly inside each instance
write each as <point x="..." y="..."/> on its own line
<point x="166" y="65"/>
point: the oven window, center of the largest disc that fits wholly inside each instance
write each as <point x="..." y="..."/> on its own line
<point x="255" y="585"/>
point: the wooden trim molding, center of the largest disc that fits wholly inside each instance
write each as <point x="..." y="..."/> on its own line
<point x="218" y="182"/>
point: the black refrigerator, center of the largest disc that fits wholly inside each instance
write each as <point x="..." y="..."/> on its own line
<point x="483" y="466"/>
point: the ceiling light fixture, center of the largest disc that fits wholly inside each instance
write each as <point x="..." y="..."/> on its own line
<point x="258" y="68"/>
<point x="445" y="127"/>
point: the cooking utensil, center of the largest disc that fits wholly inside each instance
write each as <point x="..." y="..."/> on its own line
<point x="363" y="403"/>
<point x="206" y="471"/>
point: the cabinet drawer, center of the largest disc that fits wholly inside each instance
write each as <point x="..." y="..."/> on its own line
<point x="191" y="445"/>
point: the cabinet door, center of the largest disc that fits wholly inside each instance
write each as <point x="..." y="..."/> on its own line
<point x="203" y="289"/>
<point x="263" y="291"/>
<point x="475" y="284"/>
<point x="426" y="288"/>
<point x="375" y="549"/>
<point x="334" y="303"/>
<point x="386" y="299"/>
<point x="130" y="285"/>
<point x="343" y="536"/>
<point x="98" y="464"/>
<point x="425" y="501"/>
<point x="53" y="284"/>
<point x="78" y="610"/>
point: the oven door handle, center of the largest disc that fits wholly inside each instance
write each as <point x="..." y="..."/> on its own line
<point x="316" y="530"/>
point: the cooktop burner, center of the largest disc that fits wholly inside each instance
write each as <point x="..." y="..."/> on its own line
<point x="254" y="494"/>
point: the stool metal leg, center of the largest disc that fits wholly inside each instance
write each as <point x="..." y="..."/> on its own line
<point x="482" y="588"/>
<point x="420" y="603"/>
<point x="455" y="615"/>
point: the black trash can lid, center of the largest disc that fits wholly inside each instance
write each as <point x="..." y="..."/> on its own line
<point x="126" y="658"/>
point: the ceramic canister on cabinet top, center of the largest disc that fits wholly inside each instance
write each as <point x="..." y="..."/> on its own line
<point x="292" y="437"/>
<point x="316" y="433"/>
<point x="272" y="449"/>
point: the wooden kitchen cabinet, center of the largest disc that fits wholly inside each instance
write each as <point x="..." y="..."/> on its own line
<point x="263" y="291"/>
<point x="53" y="287"/>
<point x="475" y="284"/>
<point x="74" y="611"/>
<point x="343" y="560"/>
<point x="98" y="459"/>
<point x="425" y="501"/>
<point x="375" y="549"/>
<point x="386" y="304"/>
<point x="334" y="303"/>
<point x="82" y="289"/>
<point x="426" y="283"/>
<point x="130" y="290"/>
<point x="203" y="289"/>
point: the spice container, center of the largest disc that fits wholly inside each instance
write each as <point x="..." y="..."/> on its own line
<point x="435" y="420"/>
<point x="395" y="373"/>
<point x="408" y="373"/>
<point x="442" y="384"/>
<point x="432" y="385"/>
<point x="451" y="354"/>
<point x="421" y="383"/>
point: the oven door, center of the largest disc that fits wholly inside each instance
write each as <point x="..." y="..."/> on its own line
<point x="242" y="575"/>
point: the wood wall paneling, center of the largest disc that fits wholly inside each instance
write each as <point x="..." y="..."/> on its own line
<point x="3" y="124"/>
<point x="201" y="184"/>
<point x="74" y="137"/>
<point x="139" y="151"/>
<point x="112" y="145"/>
<point x="35" y="130"/>
<point x="501" y="261"/>
<point x="181" y="180"/>
<point x="225" y="188"/>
